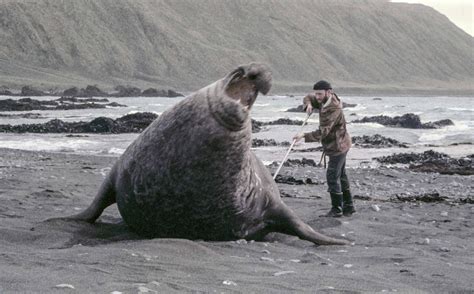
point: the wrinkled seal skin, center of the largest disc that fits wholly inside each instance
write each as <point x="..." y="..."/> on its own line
<point x="191" y="173"/>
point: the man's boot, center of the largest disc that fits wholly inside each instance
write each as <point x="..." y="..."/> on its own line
<point x="348" y="205"/>
<point x="336" y="203"/>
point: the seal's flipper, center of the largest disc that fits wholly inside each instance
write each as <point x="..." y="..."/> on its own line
<point x="105" y="197"/>
<point x="283" y="220"/>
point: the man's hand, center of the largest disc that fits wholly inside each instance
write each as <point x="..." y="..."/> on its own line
<point x="309" y="108"/>
<point x="298" y="137"/>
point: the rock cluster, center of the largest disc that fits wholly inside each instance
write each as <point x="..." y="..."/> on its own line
<point x="268" y="142"/>
<point x="376" y="141"/>
<point x="131" y="123"/>
<point x="63" y="103"/>
<point x="432" y="162"/>
<point x="409" y="120"/>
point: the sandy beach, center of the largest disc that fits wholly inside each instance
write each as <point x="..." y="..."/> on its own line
<point x="399" y="245"/>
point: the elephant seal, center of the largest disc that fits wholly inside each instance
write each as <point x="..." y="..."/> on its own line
<point x="191" y="173"/>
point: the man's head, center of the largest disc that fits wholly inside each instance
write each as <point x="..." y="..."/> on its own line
<point x="322" y="90"/>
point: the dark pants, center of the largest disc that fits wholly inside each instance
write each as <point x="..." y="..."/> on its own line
<point x="336" y="174"/>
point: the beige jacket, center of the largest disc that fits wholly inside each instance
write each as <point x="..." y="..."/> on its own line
<point x="332" y="130"/>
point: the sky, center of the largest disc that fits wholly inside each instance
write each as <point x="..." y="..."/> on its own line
<point x="460" y="12"/>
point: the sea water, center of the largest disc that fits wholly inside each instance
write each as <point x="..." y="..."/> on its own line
<point x="267" y="108"/>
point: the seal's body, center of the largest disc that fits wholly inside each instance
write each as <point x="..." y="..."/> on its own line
<point x="191" y="173"/>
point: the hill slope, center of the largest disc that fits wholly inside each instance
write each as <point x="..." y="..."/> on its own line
<point x="185" y="44"/>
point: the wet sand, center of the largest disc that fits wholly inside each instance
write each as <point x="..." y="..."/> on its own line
<point x="398" y="246"/>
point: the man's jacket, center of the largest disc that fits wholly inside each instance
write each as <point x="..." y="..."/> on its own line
<point x="332" y="130"/>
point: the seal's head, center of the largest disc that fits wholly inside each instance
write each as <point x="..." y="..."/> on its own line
<point x="231" y="98"/>
<point x="245" y="82"/>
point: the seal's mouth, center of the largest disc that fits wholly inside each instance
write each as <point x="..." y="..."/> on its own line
<point x="245" y="82"/>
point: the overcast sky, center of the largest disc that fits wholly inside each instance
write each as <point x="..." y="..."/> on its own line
<point x="460" y="12"/>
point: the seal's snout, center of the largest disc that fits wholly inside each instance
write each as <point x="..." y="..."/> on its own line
<point x="245" y="82"/>
<point x="261" y="77"/>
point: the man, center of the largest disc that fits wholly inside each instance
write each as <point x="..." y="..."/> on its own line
<point x="336" y="143"/>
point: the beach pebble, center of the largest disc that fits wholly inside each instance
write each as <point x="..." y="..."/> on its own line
<point x="295" y="260"/>
<point x="267" y="259"/>
<point x="241" y="241"/>
<point x="283" y="273"/>
<point x="116" y="292"/>
<point x="64" y="286"/>
<point x="348" y="265"/>
<point x="444" y="249"/>
<point x="444" y="213"/>
<point x="425" y="241"/>
<point x="229" y="283"/>
<point x="143" y="289"/>
<point x="266" y="251"/>
<point x="375" y="207"/>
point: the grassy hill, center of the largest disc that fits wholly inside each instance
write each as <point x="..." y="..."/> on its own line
<point x="185" y="44"/>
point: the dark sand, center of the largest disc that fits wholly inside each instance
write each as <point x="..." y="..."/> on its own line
<point x="402" y="247"/>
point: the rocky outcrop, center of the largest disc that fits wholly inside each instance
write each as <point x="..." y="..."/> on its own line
<point x="257" y="125"/>
<point x="152" y="92"/>
<point x="376" y="141"/>
<point x="289" y="180"/>
<point x="267" y="143"/>
<point x="283" y="121"/>
<point x="31" y="91"/>
<point x="4" y="91"/>
<point x="409" y="120"/>
<point x="27" y="104"/>
<point x="126" y="91"/>
<point x="432" y="162"/>
<point x="131" y="123"/>
<point x="29" y="115"/>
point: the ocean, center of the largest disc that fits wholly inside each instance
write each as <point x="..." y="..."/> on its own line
<point x="267" y="108"/>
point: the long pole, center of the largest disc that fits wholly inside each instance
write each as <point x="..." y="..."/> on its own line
<point x="291" y="147"/>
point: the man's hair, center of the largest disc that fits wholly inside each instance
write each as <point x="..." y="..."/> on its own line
<point x="322" y="85"/>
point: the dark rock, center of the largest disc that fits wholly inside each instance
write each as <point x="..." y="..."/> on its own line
<point x="29" y="115"/>
<point x="172" y="94"/>
<point x="152" y="92"/>
<point x="30" y="91"/>
<point x="425" y="197"/>
<point x="283" y="121"/>
<point x="81" y="100"/>
<point x="102" y="125"/>
<point x="289" y="180"/>
<point x="376" y="98"/>
<point x="4" y="91"/>
<point x="92" y="91"/>
<point x="312" y="149"/>
<point x="71" y="92"/>
<point x="302" y="162"/>
<point x="70" y="106"/>
<point x="26" y="104"/>
<point x="376" y="141"/>
<point x="127" y="91"/>
<point x="132" y="123"/>
<point x="267" y="142"/>
<point x="300" y="108"/>
<point x="438" y="124"/>
<point x="432" y="162"/>
<point x="408" y="120"/>
<point x="115" y="104"/>
<point x="136" y="122"/>
<point x="348" y="105"/>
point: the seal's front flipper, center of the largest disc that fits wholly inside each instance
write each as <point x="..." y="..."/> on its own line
<point x="282" y="219"/>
